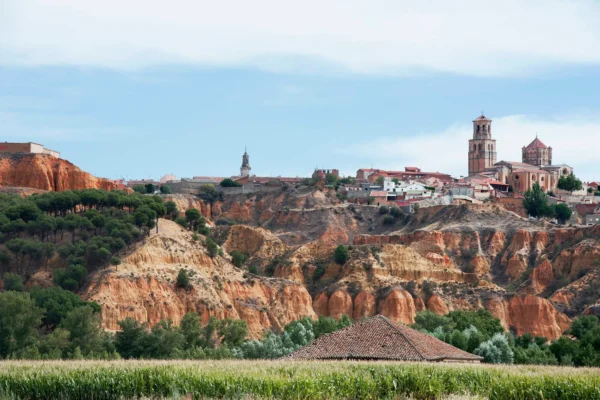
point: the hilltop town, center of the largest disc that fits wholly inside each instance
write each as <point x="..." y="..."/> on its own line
<point x="488" y="180"/>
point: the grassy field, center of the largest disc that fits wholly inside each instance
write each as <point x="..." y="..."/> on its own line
<point x="290" y="380"/>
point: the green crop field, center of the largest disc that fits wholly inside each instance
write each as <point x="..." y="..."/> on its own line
<point x="290" y="380"/>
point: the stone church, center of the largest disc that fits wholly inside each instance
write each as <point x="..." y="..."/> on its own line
<point x="535" y="167"/>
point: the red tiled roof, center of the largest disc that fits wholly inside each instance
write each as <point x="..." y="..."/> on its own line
<point x="379" y="338"/>
<point x="536" y="144"/>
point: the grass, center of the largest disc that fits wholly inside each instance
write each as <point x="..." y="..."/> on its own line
<point x="290" y="380"/>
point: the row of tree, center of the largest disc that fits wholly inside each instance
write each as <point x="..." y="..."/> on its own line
<point x="480" y="333"/>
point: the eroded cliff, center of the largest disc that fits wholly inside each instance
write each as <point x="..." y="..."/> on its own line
<point x="41" y="171"/>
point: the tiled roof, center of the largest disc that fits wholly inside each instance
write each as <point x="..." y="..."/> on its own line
<point x="379" y="338"/>
<point x="536" y="144"/>
<point x="482" y="118"/>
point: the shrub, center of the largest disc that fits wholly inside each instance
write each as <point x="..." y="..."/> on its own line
<point x="253" y="269"/>
<point x="181" y="221"/>
<point x="319" y="272"/>
<point x="211" y="247"/>
<point x="238" y="259"/>
<point x="384" y="210"/>
<point x="182" y="279"/>
<point x="13" y="282"/>
<point x="389" y="220"/>
<point x="228" y="182"/>
<point x="341" y="255"/>
<point x="496" y="350"/>
<point x="396" y="212"/>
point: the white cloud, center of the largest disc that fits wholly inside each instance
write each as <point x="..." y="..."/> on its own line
<point x="476" y="37"/>
<point x="574" y="140"/>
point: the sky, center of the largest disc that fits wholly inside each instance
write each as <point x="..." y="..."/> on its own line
<point x="138" y="89"/>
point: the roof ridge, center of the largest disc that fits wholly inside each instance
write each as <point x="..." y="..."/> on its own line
<point x="397" y="329"/>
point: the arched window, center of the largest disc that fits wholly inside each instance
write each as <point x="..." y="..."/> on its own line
<point x="517" y="177"/>
<point x="479" y="146"/>
<point x="478" y="128"/>
<point x="474" y="147"/>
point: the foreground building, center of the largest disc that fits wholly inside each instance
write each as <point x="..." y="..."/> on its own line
<point x="379" y="338"/>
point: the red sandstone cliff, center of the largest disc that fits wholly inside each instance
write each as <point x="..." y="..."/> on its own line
<point x="41" y="171"/>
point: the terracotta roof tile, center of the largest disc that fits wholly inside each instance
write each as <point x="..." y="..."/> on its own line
<point x="379" y="338"/>
<point x="536" y="144"/>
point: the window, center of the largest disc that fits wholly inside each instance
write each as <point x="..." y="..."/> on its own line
<point x="533" y="177"/>
<point x="516" y="176"/>
<point x="542" y="179"/>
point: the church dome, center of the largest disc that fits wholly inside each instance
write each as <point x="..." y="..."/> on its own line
<point x="536" y="144"/>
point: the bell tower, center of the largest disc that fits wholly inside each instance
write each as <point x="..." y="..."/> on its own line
<point x="482" y="148"/>
<point x="245" y="168"/>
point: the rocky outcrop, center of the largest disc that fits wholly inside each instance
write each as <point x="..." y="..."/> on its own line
<point x="399" y="306"/>
<point x="143" y="287"/>
<point x="41" y="171"/>
<point x="530" y="314"/>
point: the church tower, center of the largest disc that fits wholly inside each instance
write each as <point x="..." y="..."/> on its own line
<point x="482" y="148"/>
<point x="245" y="169"/>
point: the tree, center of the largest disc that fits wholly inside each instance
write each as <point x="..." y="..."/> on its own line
<point x="228" y="182"/>
<point x="562" y="212"/>
<point x="115" y="261"/>
<point x="165" y="189"/>
<point x="172" y="208"/>
<point x="13" y="282"/>
<point x="58" y="303"/>
<point x="192" y="215"/>
<point x="232" y="332"/>
<point x="191" y="330"/>
<point x="164" y="341"/>
<point x="131" y="340"/>
<point x="182" y="279"/>
<point x="379" y="180"/>
<point x="340" y="255"/>
<point x="20" y="318"/>
<point x="429" y="321"/>
<point x="150" y="188"/>
<point x="141" y="189"/>
<point x="536" y="202"/>
<point x="569" y="183"/>
<point x="84" y="328"/>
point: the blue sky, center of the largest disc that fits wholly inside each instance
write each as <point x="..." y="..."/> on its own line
<point x="145" y="93"/>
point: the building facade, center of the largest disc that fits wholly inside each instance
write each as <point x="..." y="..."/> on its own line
<point x="27" y="148"/>
<point x="321" y="174"/>
<point x="482" y="148"/>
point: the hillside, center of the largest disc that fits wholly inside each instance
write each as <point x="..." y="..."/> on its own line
<point x="533" y="276"/>
<point x="41" y="171"/>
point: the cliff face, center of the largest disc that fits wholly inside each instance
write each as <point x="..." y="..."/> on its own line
<point x="531" y="276"/>
<point x="41" y="171"/>
<point x="144" y="287"/>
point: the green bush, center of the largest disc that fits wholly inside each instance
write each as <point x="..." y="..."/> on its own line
<point x="13" y="282"/>
<point x="341" y="254"/>
<point x="383" y="210"/>
<point x="238" y="259"/>
<point x="396" y="212"/>
<point x="389" y="220"/>
<point x="183" y="281"/>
